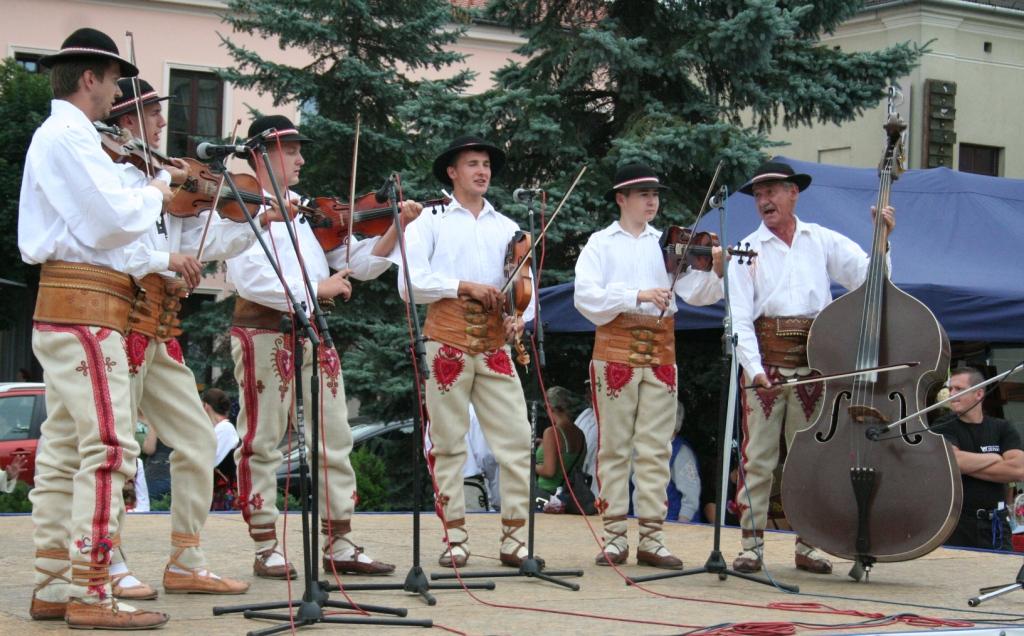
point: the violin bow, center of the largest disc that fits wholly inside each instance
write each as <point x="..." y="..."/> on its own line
<point x="681" y="265"/>
<point x="835" y="376"/>
<point x="352" y="193"/>
<point x="512" y="275"/>
<point x="216" y="202"/>
<point x="137" y="87"/>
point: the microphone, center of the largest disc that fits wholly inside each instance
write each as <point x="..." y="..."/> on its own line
<point x="525" y="194"/>
<point x="382" y="194"/>
<point x="717" y="199"/>
<point x="207" y="151"/>
<point x="259" y="138"/>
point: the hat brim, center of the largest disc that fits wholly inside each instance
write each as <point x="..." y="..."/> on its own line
<point x="800" y="179"/>
<point x="129" y="107"/>
<point x="444" y="160"/>
<point x="127" y="68"/>
<point x="609" y="196"/>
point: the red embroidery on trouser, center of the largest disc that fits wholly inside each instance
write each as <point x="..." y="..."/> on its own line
<point x="174" y="350"/>
<point x="284" y="364"/>
<point x="330" y="364"/>
<point x="249" y="387"/>
<point x="767" y="397"/>
<point x="447" y="366"/>
<point x="616" y="376"/>
<point x="135" y="345"/>
<point x="667" y="374"/>
<point x="499" y="362"/>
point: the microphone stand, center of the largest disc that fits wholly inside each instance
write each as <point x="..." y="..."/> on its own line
<point x="715" y="563"/>
<point x="314" y="597"/>
<point x="415" y="581"/>
<point x="531" y="566"/>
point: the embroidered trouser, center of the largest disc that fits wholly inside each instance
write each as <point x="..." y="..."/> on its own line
<point x="164" y="388"/>
<point x="768" y="414"/>
<point x="263" y="367"/>
<point x="636" y="414"/>
<point x="490" y="382"/>
<point x="88" y="451"/>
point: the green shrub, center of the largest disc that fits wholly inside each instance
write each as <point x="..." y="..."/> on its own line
<point x="16" y="501"/>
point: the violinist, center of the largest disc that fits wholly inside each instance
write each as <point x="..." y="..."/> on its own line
<point x="78" y="220"/>
<point x="256" y="343"/>
<point x="162" y="384"/>
<point x="456" y="265"/>
<point x="988" y="452"/>
<point x="622" y="286"/>
<point x="773" y="306"/>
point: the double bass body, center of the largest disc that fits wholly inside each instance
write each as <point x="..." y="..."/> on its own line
<point x="915" y="497"/>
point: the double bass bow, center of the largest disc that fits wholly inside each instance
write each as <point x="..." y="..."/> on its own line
<point x="846" y="489"/>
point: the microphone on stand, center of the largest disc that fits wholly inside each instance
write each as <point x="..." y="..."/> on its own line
<point x="525" y="194"/>
<point x="207" y="151"/>
<point x="382" y="193"/>
<point x="717" y="199"/>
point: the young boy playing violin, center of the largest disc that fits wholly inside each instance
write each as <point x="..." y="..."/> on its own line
<point x="456" y="265"/>
<point x="162" y="385"/>
<point x="622" y="286"/>
<point x="263" y="364"/>
<point x="78" y="220"/>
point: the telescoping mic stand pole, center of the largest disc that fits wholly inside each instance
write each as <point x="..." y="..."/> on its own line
<point x="415" y="581"/>
<point x="727" y="416"/>
<point x="314" y="597"/>
<point x="531" y="567"/>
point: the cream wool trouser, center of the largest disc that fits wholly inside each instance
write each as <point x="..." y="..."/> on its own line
<point x="768" y="415"/>
<point x="636" y="415"/>
<point x="488" y="380"/>
<point x="263" y="367"/>
<point x="165" y="389"/>
<point x="88" y="454"/>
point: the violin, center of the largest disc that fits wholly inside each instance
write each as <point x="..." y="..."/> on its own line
<point x="677" y="241"/>
<point x="371" y="218"/>
<point x="200" y="187"/>
<point x="518" y="260"/>
<point x="122" y="147"/>
<point x="847" y="488"/>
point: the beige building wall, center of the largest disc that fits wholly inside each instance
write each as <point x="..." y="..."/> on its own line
<point x="990" y="84"/>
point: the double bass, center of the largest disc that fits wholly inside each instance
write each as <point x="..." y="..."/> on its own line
<point x="849" y="487"/>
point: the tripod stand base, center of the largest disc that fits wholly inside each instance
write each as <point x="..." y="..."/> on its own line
<point x="309" y="611"/>
<point x="530" y="568"/>
<point x="416" y="583"/>
<point x="987" y="593"/>
<point x="714" y="565"/>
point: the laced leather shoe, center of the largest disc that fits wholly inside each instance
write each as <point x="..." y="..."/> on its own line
<point x="454" y="557"/>
<point x="140" y="592"/>
<point x="281" y="571"/>
<point x="747" y="562"/>
<point x="41" y="610"/>
<point x="810" y="559"/>
<point x="355" y="565"/>
<point x="107" y="615"/>
<point x="661" y="559"/>
<point x="613" y="554"/>
<point x="201" y="581"/>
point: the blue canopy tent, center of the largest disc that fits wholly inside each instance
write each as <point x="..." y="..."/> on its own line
<point x="955" y="246"/>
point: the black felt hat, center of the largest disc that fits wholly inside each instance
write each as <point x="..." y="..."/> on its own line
<point x="276" y="127"/>
<point x="86" y="43"/>
<point x="467" y="142"/>
<point x="776" y="171"/>
<point x="127" y="102"/>
<point x="634" y="176"/>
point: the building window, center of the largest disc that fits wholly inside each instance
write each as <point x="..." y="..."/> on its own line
<point x="979" y="159"/>
<point x="29" y="62"/>
<point x="195" y="112"/>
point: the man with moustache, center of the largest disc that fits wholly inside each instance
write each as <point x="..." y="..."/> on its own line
<point x="773" y="304"/>
<point x="78" y="221"/>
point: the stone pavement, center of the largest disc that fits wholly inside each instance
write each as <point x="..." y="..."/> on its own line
<point x="944" y="579"/>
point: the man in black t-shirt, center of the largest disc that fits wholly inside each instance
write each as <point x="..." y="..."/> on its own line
<point x="988" y="452"/>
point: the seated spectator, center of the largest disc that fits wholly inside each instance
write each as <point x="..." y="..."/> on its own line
<point x="157" y="464"/>
<point x="9" y="475"/>
<point x="587" y="422"/>
<point x="571" y="444"/>
<point x="480" y="461"/>
<point x="217" y="405"/>
<point x="683" y="490"/>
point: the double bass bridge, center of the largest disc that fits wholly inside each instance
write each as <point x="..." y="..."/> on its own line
<point x="862" y="414"/>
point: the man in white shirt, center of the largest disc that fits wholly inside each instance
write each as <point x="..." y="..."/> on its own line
<point x="263" y="365"/>
<point x="773" y="304"/>
<point x="456" y="265"/>
<point x="162" y="384"/>
<point x="78" y="220"/>
<point x="624" y="288"/>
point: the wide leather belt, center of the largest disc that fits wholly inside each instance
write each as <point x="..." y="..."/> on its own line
<point x="464" y="325"/>
<point x="256" y="316"/>
<point x="783" y="340"/>
<point x="638" y="340"/>
<point x="158" y="317"/>
<point x="83" y="294"/>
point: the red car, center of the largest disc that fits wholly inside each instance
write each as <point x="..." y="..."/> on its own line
<point x="22" y="411"/>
